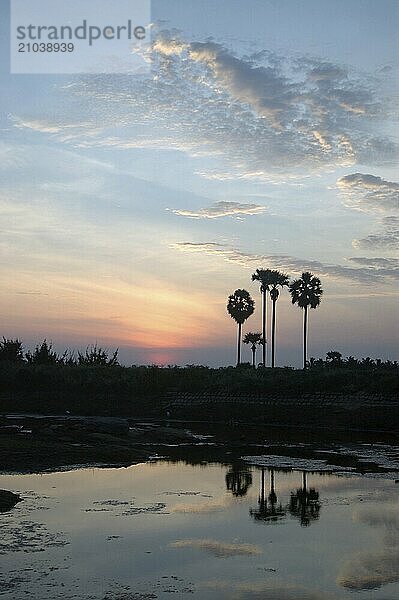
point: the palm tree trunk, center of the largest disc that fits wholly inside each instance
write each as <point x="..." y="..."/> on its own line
<point x="239" y="344"/>
<point x="264" y="328"/>
<point x="253" y="355"/>
<point x="262" y="489"/>
<point x="304" y="485"/>
<point x="305" y="335"/>
<point x="272" y="490"/>
<point x="273" y="331"/>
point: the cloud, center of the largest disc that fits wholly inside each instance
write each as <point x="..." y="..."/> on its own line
<point x="388" y="518"/>
<point x="213" y="506"/>
<point x="387" y="238"/>
<point x="62" y="226"/>
<point x="322" y="140"/>
<point x="292" y="265"/>
<point x="265" y="89"/>
<point x="222" y="209"/>
<point x="326" y="71"/>
<point x="37" y="125"/>
<point x="259" y="590"/>
<point x="31" y="293"/>
<point x="262" y="591"/>
<point x="369" y="193"/>
<point x="66" y="130"/>
<point x="376" y="262"/>
<point x="372" y="570"/>
<point x="262" y="115"/>
<point x="168" y="46"/>
<point x="369" y="571"/>
<point x="219" y="549"/>
<point x="10" y="157"/>
<point x="372" y="194"/>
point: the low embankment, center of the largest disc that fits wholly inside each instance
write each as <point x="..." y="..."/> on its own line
<point x="320" y="397"/>
<point x="360" y="411"/>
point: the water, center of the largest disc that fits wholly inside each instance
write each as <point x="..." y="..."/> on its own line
<point x="163" y="529"/>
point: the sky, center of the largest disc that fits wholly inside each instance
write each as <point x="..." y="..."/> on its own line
<point x="264" y="136"/>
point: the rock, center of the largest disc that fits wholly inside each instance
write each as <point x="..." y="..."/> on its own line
<point x="8" y="500"/>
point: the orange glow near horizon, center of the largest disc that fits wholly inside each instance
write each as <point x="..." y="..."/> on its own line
<point x="146" y="314"/>
<point x="161" y="358"/>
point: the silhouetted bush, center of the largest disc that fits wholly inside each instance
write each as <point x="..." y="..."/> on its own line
<point x="334" y="360"/>
<point x="97" y="356"/>
<point x="11" y="350"/>
<point x="43" y="355"/>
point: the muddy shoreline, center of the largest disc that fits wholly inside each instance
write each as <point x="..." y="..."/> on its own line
<point x="37" y="443"/>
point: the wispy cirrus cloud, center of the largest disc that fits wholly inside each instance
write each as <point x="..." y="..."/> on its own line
<point x="222" y="209"/>
<point x="64" y="130"/>
<point x="39" y="125"/>
<point x="364" y="274"/>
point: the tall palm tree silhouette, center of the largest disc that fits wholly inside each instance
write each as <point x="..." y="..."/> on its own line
<point x="263" y="276"/>
<point x="306" y="292"/>
<point x="240" y="306"/>
<point x="253" y="339"/>
<point x="276" y="280"/>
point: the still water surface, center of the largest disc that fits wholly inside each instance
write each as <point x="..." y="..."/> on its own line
<point x="209" y="531"/>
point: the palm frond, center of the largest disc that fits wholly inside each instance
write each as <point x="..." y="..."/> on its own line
<point x="240" y="306"/>
<point x="306" y="291"/>
<point x="253" y="338"/>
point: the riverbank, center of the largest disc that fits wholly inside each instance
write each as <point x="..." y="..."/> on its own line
<point x="38" y="443"/>
<point x="148" y="391"/>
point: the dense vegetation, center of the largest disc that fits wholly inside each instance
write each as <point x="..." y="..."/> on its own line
<point x="94" y="382"/>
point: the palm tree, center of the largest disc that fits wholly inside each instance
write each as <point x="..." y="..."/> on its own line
<point x="304" y="503"/>
<point x="238" y="480"/>
<point x="268" y="510"/>
<point x="276" y="280"/>
<point x="306" y="292"/>
<point x="263" y="276"/>
<point x="240" y="306"/>
<point x="253" y="339"/>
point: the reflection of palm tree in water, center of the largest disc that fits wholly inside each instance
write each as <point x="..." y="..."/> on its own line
<point x="238" y="480"/>
<point x="268" y="508"/>
<point x="304" y="503"/>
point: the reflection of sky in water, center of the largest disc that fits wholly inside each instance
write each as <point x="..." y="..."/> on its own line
<point x="176" y="528"/>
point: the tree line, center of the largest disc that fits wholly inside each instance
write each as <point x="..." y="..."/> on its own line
<point x="12" y="350"/>
<point x="335" y="360"/>
<point x="305" y="291"/>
